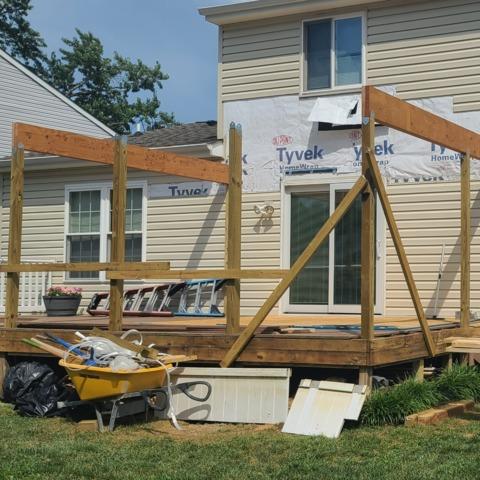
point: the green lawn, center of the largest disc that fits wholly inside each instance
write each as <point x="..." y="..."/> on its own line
<point x="56" y="449"/>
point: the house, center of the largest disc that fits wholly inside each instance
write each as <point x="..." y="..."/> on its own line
<point x="290" y="72"/>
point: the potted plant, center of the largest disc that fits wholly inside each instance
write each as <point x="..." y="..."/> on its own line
<point x="62" y="301"/>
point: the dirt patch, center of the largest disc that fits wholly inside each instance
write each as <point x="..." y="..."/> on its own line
<point x="204" y="432"/>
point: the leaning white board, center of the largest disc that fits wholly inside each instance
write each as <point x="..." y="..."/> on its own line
<point x="239" y="395"/>
<point x="321" y="407"/>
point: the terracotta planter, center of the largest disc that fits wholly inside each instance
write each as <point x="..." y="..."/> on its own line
<point x="61" y="306"/>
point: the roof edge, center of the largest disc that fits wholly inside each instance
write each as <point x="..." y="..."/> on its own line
<point x="55" y="92"/>
<point x="262" y="9"/>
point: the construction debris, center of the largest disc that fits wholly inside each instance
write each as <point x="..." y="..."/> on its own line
<point x="321" y="407"/>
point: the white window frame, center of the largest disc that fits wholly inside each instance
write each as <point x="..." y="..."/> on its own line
<point x="325" y="183"/>
<point x="303" y="70"/>
<point x="104" y="188"/>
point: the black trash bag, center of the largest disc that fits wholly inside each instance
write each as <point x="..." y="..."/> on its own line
<point x="34" y="389"/>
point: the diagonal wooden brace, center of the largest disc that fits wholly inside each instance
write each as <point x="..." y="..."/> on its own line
<point x="296" y="268"/>
<point x="397" y="241"/>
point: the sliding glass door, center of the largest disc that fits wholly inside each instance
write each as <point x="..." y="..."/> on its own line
<point x="330" y="283"/>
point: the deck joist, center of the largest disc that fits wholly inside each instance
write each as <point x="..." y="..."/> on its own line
<point x="207" y="339"/>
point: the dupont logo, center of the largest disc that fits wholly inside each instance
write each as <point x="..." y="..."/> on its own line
<point x="282" y="140"/>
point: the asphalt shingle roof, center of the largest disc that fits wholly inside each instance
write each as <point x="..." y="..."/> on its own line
<point x="186" y="134"/>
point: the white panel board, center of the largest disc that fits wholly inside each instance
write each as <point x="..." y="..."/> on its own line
<point x="321" y="408"/>
<point x="239" y="395"/>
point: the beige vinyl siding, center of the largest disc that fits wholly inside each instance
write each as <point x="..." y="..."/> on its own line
<point x="425" y="49"/>
<point x="429" y="49"/>
<point x="22" y="99"/>
<point x="260" y="60"/>
<point x="428" y="215"/>
<point x="188" y="232"/>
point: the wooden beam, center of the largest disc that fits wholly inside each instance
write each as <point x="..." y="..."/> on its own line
<point x="197" y="274"/>
<point x="233" y="229"/>
<point x="465" y="235"/>
<point x="296" y="268"/>
<point x="398" y="114"/>
<point x="85" y="267"/>
<point x="82" y="147"/>
<point x="367" y="235"/>
<point x="15" y="232"/>
<point x="397" y="241"/>
<point x="119" y="203"/>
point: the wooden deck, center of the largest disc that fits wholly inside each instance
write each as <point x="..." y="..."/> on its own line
<point x="332" y="341"/>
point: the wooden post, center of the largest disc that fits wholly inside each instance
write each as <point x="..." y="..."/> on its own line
<point x="3" y="371"/>
<point x="368" y="235"/>
<point x="365" y="376"/>
<point x="419" y="370"/>
<point x="465" y="242"/>
<point x="233" y="229"/>
<point x="14" y="234"/>
<point x="296" y="268"/>
<point x="119" y="200"/>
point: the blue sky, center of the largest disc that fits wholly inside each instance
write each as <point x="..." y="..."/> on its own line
<point x="170" y="31"/>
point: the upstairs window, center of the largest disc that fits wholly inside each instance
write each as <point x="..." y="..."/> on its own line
<point x="333" y="51"/>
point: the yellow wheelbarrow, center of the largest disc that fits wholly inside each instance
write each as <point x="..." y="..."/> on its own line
<point x="109" y="392"/>
<point x="94" y="383"/>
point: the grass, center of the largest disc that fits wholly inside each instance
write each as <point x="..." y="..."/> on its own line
<point x="390" y="406"/>
<point x="50" y="449"/>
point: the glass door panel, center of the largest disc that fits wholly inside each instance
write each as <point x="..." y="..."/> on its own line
<point x="309" y="211"/>
<point x="347" y="263"/>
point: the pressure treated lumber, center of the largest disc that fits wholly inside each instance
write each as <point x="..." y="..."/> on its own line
<point x="119" y="202"/>
<point x="84" y="267"/>
<point x="296" y="268"/>
<point x="407" y="118"/>
<point x="233" y="229"/>
<point x="14" y="233"/>
<point x="82" y="147"/>
<point x="197" y="274"/>
<point x="397" y="241"/>
<point x="367" y="287"/>
<point x="465" y="225"/>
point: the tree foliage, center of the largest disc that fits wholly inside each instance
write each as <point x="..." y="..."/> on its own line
<point x="116" y="90"/>
<point x="17" y="37"/>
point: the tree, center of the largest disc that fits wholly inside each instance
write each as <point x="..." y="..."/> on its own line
<point x="18" y="38"/>
<point x="115" y="90"/>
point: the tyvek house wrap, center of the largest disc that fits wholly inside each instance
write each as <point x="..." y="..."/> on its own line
<point x="279" y="138"/>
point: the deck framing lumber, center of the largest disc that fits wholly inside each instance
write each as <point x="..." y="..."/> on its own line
<point x="119" y="201"/>
<point x="367" y="234"/>
<point x="82" y="147"/>
<point x="407" y="118"/>
<point x="465" y="234"/>
<point x="399" y="248"/>
<point x="296" y="268"/>
<point x="83" y="267"/>
<point x="233" y="229"/>
<point x="15" y="231"/>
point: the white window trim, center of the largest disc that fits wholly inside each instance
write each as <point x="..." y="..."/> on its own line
<point x="326" y="183"/>
<point x="104" y="188"/>
<point x="303" y="68"/>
